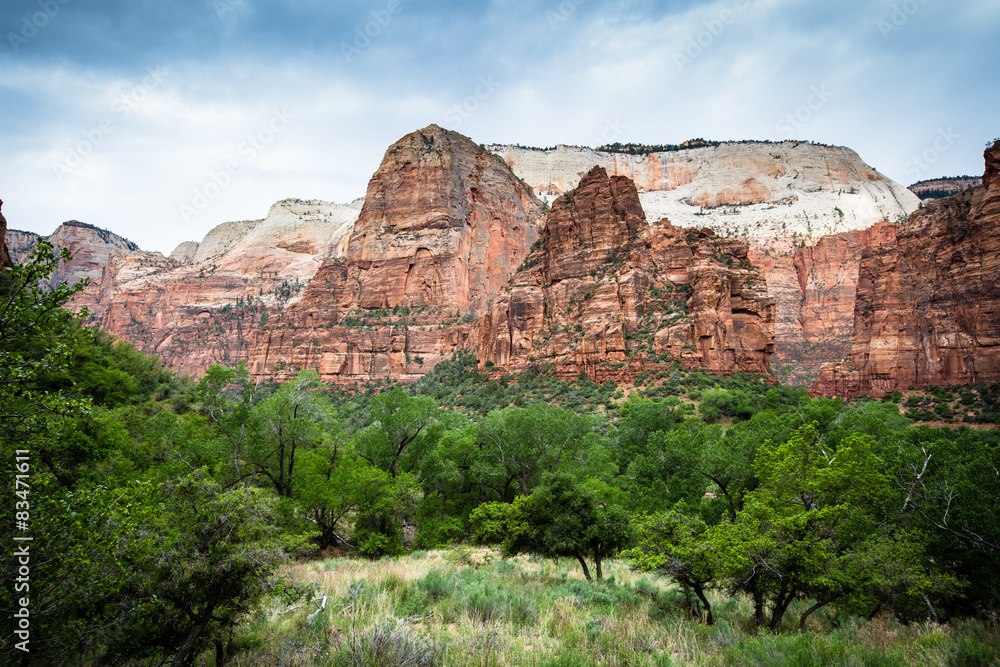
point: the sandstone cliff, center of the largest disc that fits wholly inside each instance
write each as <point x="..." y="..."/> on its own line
<point x="90" y="248"/>
<point x="748" y="189"/>
<point x="936" y="188"/>
<point x="782" y="199"/>
<point x="606" y="293"/>
<point x="204" y="304"/>
<point x="5" y="259"/>
<point x="443" y="226"/>
<point x="928" y="300"/>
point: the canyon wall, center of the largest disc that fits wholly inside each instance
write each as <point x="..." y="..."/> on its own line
<point x="443" y="227"/>
<point x="801" y="208"/>
<point x="450" y="250"/>
<point x="928" y="299"/>
<point x="5" y="258"/>
<point x="608" y="294"/>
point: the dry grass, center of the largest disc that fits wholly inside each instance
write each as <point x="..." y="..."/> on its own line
<point x="468" y="607"/>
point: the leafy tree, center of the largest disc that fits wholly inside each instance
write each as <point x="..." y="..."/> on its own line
<point x="226" y="396"/>
<point x="37" y="338"/>
<point x="675" y="544"/>
<point x="333" y="488"/>
<point x="196" y="568"/>
<point x="812" y="518"/>
<point x="400" y="432"/>
<point x="295" y="418"/>
<point x="521" y="444"/>
<point x="560" y="518"/>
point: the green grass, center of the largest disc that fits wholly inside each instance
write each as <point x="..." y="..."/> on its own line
<point x="429" y="609"/>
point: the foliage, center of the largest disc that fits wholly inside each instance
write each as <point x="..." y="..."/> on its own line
<point x="562" y="517"/>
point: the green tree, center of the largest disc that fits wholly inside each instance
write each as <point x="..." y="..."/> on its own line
<point x="522" y="444"/>
<point x="675" y="544"/>
<point x="295" y="418"/>
<point x="562" y="517"/>
<point x="400" y="431"/>
<point x="814" y="516"/>
<point x="197" y="566"/>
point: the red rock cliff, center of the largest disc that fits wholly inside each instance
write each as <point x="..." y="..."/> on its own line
<point x="5" y="260"/>
<point x="928" y="301"/>
<point x="444" y="226"/>
<point x="607" y="292"/>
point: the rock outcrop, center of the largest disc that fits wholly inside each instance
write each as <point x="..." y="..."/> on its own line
<point x="205" y="304"/>
<point x="443" y="227"/>
<point x="928" y="301"/>
<point x="781" y="198"/>
<point x="605" y="293"/>
<point x="5" y="259"/>
<point x="90" y="250"/>
<point x="937" y="188"/>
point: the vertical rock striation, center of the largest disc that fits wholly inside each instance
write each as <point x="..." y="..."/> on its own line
<point x="928" y="300"/>
<point x="606" y="294"/>
<point x="443" y="227"/>
<point x="5" y="259"/>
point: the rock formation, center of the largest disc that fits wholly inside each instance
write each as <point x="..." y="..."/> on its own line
<point x="604" y="292"/>
<point x="928" y="300"/>
<point x="5" y="259"/>
<point x="204" y="304"/>
<point x="90" y="249"/>
<point x="782" y="199"/>
<point x="937" y="188"/>
<point x="443" y="227"/>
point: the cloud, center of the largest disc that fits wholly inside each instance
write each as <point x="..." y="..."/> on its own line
<point x="542" y="73"/>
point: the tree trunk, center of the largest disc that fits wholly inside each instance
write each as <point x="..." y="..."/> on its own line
<point x="597" y="563"/>
<point x="183" y="654"/>
<point x="700" y="592"/>
<point x="220" y="653"/>
<point x="810" y="610"/>
<point x="758" y="603"/>
<point x="780" y="606"/>
<point x="586" y="571"/>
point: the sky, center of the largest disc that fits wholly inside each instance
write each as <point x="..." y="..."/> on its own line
<point x="160" y="119"/>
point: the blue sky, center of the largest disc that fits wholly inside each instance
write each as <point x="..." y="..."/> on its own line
<point x="160" y="119"/>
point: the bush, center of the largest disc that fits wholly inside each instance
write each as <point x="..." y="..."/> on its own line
<point x="386" y="646"/>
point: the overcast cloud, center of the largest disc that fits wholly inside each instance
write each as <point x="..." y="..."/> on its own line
<point x="159" y="120"/>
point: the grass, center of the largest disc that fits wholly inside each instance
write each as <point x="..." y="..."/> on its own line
<point x="429" y="609"/>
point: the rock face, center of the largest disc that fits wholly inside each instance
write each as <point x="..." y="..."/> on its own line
<point x="5" y="259"/>
<point x="90" y="248"/>
<point x="928" y="300"/>
<point x="606" y="293"/>
<point x="937" y="188"/>
<point x="782" y="199"/>
<point x="814" y="287"/>
<point x="746" y="189"/>
<point x="204" y="304"/>
<point x="443" y="227"/>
